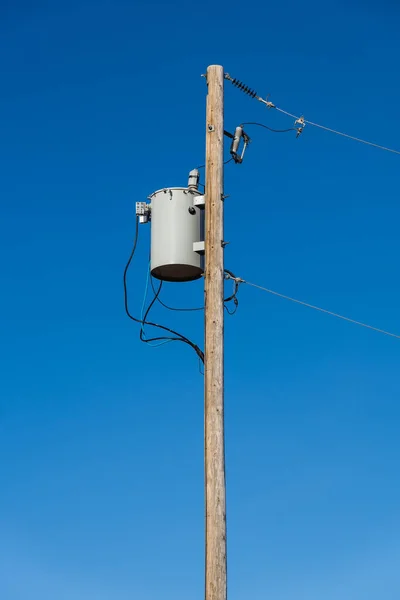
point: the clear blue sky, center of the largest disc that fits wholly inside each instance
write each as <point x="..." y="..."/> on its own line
<point x="101" y="437"/>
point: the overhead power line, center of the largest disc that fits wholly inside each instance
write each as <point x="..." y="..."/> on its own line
<point x="300" y="122"/>
<point x="319" y="309"/>
<point x="270" y="128"/>
<point x="231" y="298"/>
<point x="178" y="337"/>
<point x="228" y="160"/>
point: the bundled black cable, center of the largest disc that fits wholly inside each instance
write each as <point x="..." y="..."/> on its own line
<point x="231" y="298"/>
<point x="178" y="337"/>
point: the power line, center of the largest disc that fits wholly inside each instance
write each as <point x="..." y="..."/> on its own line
<point x="179" y="337"/>
<point x="345" y="135"/>
<point x="204" y="166"/>
<point x="232" y="297"/>
<point x="300" y="121"/>
<point x="144" y="314"/>
<point x="270" y="128"/>
<point x="174" y="308"/>
<point x="319" y="309"/>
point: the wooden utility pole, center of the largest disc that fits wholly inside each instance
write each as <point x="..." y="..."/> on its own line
<point x="215" y="580"/>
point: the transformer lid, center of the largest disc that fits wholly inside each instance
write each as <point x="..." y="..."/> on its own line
<point x="176" y="189"/>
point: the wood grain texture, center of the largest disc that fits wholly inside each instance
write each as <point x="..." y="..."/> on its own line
<point x="215" y="581"/>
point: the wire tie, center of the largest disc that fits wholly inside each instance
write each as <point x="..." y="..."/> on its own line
<point x="269" y="103"/>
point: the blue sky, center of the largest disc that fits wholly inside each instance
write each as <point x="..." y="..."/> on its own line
<point x="101" y="437"/>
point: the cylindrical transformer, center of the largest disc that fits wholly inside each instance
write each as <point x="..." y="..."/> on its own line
<point x="176" y="224"/>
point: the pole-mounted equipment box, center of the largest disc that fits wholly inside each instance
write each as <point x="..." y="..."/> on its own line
<point x="177" y="231"/>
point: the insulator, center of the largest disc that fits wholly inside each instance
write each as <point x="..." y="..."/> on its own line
<point x="236" y="141"/>
<point x="244" y="88"/>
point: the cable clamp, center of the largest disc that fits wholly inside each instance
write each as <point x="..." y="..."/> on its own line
<point x="237" y="280"/>
<point x="267" y="102"/>
<point x="302" y="123"/>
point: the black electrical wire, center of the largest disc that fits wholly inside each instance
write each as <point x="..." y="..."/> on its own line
<point x="270" y="128"/>
<point x="236" y="283"/>
<point x="232" y="297"/>
<point x="204" y="166"/>
<point x="172" y="307"/>
<point x="155" y="339"/>
<point x="201" y="372"/>
<point x="179" y="337"/>
<point x="146" y="314"/>
<point x="164" y="338"/>
<point x="232" y="312"/>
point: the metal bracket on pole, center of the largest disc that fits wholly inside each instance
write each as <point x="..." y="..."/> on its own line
<point x="199" y="201"/>
<point x="199" y="248"/>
